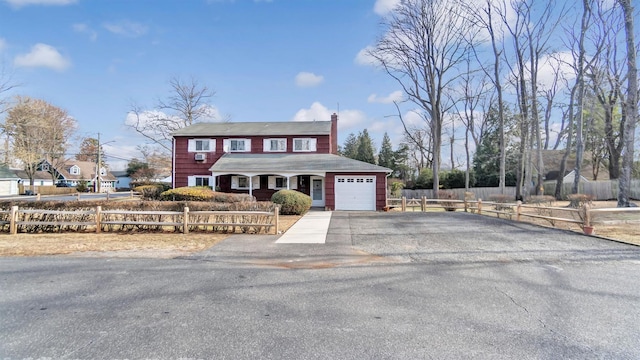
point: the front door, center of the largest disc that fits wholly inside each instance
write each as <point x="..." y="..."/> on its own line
<point x="317" y="191"/>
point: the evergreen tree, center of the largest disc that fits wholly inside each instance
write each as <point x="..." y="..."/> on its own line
<point x="350" y="147"/>
<point x="386" y="155"/>
<point x="402" y="170"/>
<point x="365" y="151"/>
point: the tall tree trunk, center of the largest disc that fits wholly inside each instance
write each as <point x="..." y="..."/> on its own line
<point x="631" y="108"/>
<point x="567" y="151"/>
<point x="580" y="96"/>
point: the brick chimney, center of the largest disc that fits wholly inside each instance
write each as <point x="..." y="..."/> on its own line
<point x="334" y="133"/>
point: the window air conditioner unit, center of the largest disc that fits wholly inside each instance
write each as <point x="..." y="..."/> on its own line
<point x="201" y="157"/>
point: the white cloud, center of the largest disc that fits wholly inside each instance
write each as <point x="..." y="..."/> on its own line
<point x="364" y="57"/>
<point x="318" y="112"/>
<point x="126" y="28"/>
<point x="307" y="79"/>
<point x="21" y="3"/>
<point x="383" y="7"/>
<point x="85" y="29"/>
<point x="394" y="96"/>
<point x="3" y="44"/>
<point x="42" y="55"/>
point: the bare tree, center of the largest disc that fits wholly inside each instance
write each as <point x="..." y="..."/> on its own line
<point x="188" y="103"/>
<point x="38" y="131"/>
<point x="423" y="44"/>
<point x="630" y="107"/>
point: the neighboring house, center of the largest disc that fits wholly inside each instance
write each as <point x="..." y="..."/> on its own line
<point x="74" y="172"/>
<point x="8" y="181"/>
<point x="260" y="158"/>
<point x="123" y="181"/>
<point x="40" y="178"/>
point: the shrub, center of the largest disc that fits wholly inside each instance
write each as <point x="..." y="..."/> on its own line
<point x="203" y="193"/>
<point x="396" y="188"/>
<point x="149" y="192"/>
<point x="444" y="194"/>
<point x="425" y="179"/>
<point x="82" y="186"/>
<point x="455" y="179"/>
<point x="292" y="202"/>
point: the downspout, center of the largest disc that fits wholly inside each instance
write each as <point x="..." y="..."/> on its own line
<point x="173" y="163"/>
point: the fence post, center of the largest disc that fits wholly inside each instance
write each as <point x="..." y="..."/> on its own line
<point x="518" y="210"/>
<point x="466" y="204"/>
<point x="276" y="215"/>
<point x="185" y="220"/>
<point x="38" y="197"/>
<point x="98" y="220"/>
<point x="423" y="203"/>
<point x="107" y="196"/>
<point x="13" y="226"/>
<point x="479" y="206"/>
<point x="131" y="194"/>
<point x="404" y="203"/>
<point x="586" y="226"/>
<point x="78" y="196"/>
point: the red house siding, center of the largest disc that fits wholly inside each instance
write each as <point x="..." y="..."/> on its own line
<point x="186" y="165"/>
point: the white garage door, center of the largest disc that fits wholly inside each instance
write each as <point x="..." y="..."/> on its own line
<point x="355" y="192"/>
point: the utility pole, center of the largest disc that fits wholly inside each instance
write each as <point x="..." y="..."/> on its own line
<point x="98" y="168"/>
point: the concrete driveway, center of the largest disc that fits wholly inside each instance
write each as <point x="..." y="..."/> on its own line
<point x="385" y="285"/>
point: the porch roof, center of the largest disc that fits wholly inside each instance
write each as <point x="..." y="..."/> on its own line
<point x="291" y="163"/>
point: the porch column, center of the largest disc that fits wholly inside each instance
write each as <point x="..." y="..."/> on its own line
<point x="288" y="180"/>
<point x="250" y="185"/>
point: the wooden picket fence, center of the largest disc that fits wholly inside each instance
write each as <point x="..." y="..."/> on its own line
<point x="37" y="220"/>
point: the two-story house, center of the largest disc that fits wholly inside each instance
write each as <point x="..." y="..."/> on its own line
<point x="260" y="158"/>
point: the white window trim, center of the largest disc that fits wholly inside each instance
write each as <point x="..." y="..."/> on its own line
<point x="192" y="180"/>
<point x="313" y="142"/>
<point x="235" y="180"/>
<point x="227" y="145"/>
<point x="192" y="145"/>
<point x="273" y="181"/>
<point x="74" y="170"/>
<point x="266" y="145"/>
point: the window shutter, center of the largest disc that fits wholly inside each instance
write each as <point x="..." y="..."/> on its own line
<point x="255" y="182"/>
<point x="293" y="183"/>
<point x="266" y="145"/>
<point x="234" y="182"/>
<point x="272" y="182"/>
<point x="192" y="145"/>
<point x="226" y="147"/>
<point x="212" y="145"/>
<point x="312" y="144"/>
<point x="191" y="181"/>
<point x="247" y="145"/>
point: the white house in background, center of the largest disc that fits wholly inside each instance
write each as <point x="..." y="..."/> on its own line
<point x="8" y="181"/>
<point x="123" y="181"/>
<point x="40" y="178"/>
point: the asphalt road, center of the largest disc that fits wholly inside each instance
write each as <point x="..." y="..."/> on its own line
<point x="384" y="286"/>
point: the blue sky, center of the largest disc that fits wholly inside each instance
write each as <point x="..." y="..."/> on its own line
<point x="277" y="60"/>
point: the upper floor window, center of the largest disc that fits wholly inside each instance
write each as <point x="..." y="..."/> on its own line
<point x="304" y="144"/>
<point x="274" y="145"/>
<point x="202" y="145"/>
<point x="237" y="145"/>
<point x="103" y="171"/>
<point x="75" y="170"/>
<point x="197" y="180"/>
<point x="45" y="167"/>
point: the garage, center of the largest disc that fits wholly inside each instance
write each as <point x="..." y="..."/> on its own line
<point x="355" y="193"/>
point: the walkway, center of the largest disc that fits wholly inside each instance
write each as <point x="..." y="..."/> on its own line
<point x="310" y="229"/>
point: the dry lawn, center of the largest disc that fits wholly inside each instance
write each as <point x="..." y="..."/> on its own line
<point x="140" y="244"/>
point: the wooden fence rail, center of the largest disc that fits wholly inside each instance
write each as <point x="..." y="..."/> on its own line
<point x="107" y="220"/>
<point x="583" y="216"/>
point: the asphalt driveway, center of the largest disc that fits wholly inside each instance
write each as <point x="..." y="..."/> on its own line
<point x="385" y="285"/>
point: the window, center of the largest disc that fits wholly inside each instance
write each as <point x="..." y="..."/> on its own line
<point x="202" y="145"/>
<point x="202" y="181"/>
<point x="281" y="182"/>
<point x="304" y="144"/>
<point x="45" y="167"/>
<point x="237" y="145"/>
<point x="103" y="171"/>
<point x="74" y="170"/>
<point x="274" y="145"/>
<point x="243" y="182"/>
